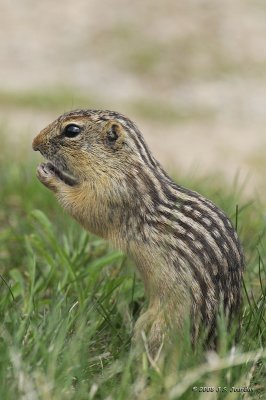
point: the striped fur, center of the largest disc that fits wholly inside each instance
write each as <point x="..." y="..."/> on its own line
<point x="185" y="248"/>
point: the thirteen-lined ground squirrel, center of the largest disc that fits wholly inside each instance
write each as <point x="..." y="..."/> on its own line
<point x="184" y="247"/>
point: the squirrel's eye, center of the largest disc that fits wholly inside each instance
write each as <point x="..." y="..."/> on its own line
<point x="72" y="130"/>
<point x="112" y="135"/>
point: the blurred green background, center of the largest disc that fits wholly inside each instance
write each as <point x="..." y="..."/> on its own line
<point x="191" y="74"/>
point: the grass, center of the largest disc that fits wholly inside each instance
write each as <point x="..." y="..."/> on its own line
<point x="65" y="98"/>
<point x="168" y="113"/>
<point x="50" y="99"/>
<point x="68" y="303"/>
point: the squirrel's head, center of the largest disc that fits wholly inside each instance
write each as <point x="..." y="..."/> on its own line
<point x="93" y="156"/>
<point x="89" y="145"/>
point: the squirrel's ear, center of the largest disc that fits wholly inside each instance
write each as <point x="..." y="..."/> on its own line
<point x="114" y="134"/>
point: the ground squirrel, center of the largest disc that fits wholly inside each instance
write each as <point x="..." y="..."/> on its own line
<point x="184" y="247"/>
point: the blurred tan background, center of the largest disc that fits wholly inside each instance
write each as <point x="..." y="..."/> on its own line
<point x="192" y="74"/>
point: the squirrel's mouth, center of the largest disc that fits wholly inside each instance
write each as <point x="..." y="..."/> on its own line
<point x="47" y="169"/>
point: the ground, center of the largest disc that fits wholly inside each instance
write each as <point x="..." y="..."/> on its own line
<point x="191" y="74"/>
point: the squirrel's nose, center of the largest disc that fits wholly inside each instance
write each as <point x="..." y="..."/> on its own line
<point x="36" y="144"/>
